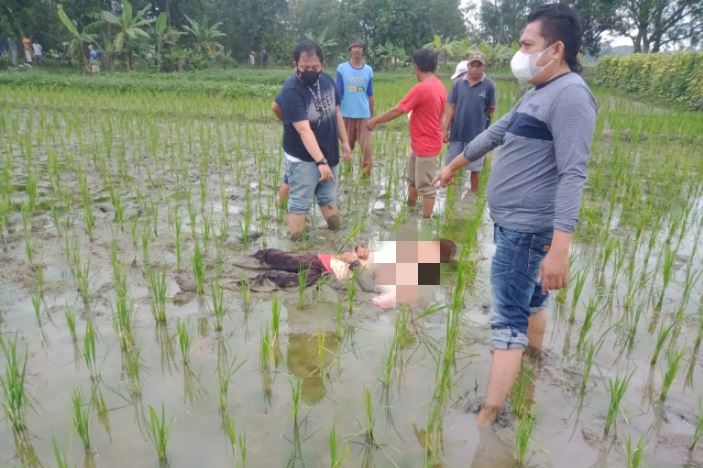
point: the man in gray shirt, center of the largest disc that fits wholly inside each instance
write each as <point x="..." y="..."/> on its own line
<point x="470" y="104"/>
<point x="534" y="189"/>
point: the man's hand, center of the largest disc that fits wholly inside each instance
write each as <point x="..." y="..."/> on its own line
<point x="347" y="257"/>
<point x="554" y="270"/>
<point x="445" y="138"/>
<point x="371" y="124"/>
<point x="325" y="172"/>
<point x="346" y="152"/>
<point x="444" y="177"/>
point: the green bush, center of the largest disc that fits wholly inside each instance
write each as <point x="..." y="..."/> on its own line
<point x="676" y="77"/>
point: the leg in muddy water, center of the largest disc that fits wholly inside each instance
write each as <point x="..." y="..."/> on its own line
<point x="296" y="224"/>
<point x="536" y="325"/>
<point x="427" y="207"/>
<point x="283" y="194"/>
<point x="504" y="370"/>
<point x="331" y="215"/>
<point x="412" y="196"/>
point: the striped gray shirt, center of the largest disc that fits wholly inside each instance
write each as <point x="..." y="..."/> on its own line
<point x="539" y="172"/>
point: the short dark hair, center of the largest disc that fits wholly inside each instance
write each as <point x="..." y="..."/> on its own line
<point x="447" y="250"/>
<point x="560" y="23"/>
<point x="308" y="47"/>
<point x="426" y="60"/>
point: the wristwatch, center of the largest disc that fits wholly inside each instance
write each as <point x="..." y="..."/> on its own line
<point x="321" y="162"/>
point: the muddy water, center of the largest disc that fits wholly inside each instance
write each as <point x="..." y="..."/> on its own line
<point x="333" y="369"/>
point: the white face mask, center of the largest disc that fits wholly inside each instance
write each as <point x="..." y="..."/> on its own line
<point x="524" y="66"/>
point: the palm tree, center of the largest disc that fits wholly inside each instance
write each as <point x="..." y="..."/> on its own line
<point x="443" y="48"/>
<point x="130" y="29"/>
<point x="205" y="35"/>
<point x="79" y="39"/>
<point x="326" y="43"/>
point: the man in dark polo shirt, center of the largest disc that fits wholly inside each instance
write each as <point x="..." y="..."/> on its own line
<point x="470" y="104"/>
<point x="312" y="123"/>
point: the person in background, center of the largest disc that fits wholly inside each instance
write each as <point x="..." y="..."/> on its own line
<point x="252" y="59"/>
<point x="355" y="88"/>
<point x="93" y="59"/>
<point x="27" y="45"/>
<point x="38" y="52"/>
<point x="470" y="105"/>
<point x="426" y="100"/>
<point x="264" y="58"/>
<point x="534" y="189"/>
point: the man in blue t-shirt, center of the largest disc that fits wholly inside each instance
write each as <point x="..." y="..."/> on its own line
<point x="355" y="88"/>
<point x="312" y="122"/>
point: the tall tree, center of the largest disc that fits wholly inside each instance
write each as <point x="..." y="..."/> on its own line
<point x="597" y="17"/>
<point x="502" y="21"/>
<point x="131" y="29"/>
<point x="652" y="24"/>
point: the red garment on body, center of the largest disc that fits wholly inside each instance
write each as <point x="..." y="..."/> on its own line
<point x="426" y="100"/>
<point x="326" y="259"/>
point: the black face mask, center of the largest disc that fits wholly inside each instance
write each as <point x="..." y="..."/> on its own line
<point x="309" y="77"/>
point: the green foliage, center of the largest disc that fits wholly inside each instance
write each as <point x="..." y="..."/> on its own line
<point x="674" y="77"/>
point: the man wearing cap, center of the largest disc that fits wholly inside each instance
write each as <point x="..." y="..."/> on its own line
<point x="470" y="104"/>
<point x="355" y="87"/>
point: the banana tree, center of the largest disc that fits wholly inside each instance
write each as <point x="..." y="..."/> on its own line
<point x="165" y="37"/>
<point x="130" y="29"/>
<point x="205" y="36"/>
<point x="79" y="38"/>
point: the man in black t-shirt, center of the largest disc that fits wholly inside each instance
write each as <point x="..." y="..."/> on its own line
<point x="312" y="122"/>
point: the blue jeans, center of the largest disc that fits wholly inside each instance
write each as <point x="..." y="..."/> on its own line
<point x="304" y="182"/>
<point x="516" y="285"/>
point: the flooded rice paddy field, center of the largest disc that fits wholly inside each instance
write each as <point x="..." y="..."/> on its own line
<point x="129" y="338"/>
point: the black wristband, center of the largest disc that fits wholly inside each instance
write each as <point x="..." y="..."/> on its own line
<point x="321" y="162"/>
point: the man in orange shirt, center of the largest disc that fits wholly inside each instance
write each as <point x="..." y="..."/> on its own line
<point x="27" y="44"/>
<point x="426" y="100"/>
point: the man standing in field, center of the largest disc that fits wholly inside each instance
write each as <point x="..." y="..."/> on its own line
<point x="312" y="122"/>
<point x="534" y="189"/>
<point x="28" y="51"/>
<point x="355" y="88"/>
<point x="426" y="101"/>
<point x="471" y="102"/>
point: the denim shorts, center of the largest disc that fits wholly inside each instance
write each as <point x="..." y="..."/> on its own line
<point x="516" y="285"/>
<point x="304" y="185"/>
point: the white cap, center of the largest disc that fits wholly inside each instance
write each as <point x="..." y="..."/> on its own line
<point x="461" y="68"/>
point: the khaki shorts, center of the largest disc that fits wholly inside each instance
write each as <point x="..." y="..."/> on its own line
<point x="421" y="171"/>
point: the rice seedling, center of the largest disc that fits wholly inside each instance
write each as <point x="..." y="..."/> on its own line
<point x="132" y="368"/>
<point x="245" y="224"/>
<point x="183" y="341"/>
<point x="667" y="272"/>
<point x="71" y="323"/>
<point x="59" y="455"/>
<point x="698" y="431"/>
<point x="634" y="455"/>
<point x="338" y="322"/>
<point x="591" y="312"/>
<point x="89" y="354"/>
<point x="369" y="417"/>
<point x="145" y="240"/>
<point x="522" y="438"/>
<point x="673" y="361"/>
<point x="242" y="442"/>
<point x="218" y="305"/>
<point x="13" y="385"/>
<point x="198" y="269"/>
<point x="662" y="336"/>
<point x="97" y="401"/>
<point x="351" y="295"/>
<point x="336" y="458"/>
<point x="275" y="317"/>
<point x="579" y="282"/>
<point x="159" y="432"/>
<point x="295" y="403"/>
<point x="245" y="292"/>
<point x="156" y="280"/>
<point x="520" y="398"/>
<point x="302" y="284"/>
<point x="81" y="418"/>
<point x="177" y="228"/>
<point x="617" y="388"/>
<point x="36" y="305"/>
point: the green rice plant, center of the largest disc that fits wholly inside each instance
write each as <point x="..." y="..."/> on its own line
<point x="145" y="240"/>
<point x="302" y="284"/>
<point x="82" y="272"/>
<point x="522" y="438"/>
<point x="667" y="272"/>
<point x="123" y="313"/>
<point x="246" y="220"/>
<point x="673" y="361"/>
<point x="177" y="228"/>
<point x="218" y="305"/>
<point x="634" y="455"/>
<point x="36" y="305"/>
<point x="224" y="380"/>
<point x="245" y="292"/>
<point x="351" y="295"/>
<point x="183" y="341"/>
<point x="97" y="401"/>
<point x="81" y="418"/>
<point x="590" y="351"/>
<point x="336" y="458"/>
<point x="617" y="388"/>
<point x="275" y="317"/>
<point x="132" y="368"/>
<point x="521" y="390"/>
<point x="28" y="242"/>
<point x="369" y="418"/>
<point x="662" y="336"/>
<point x="295" y="403"/>
<point x="696" y="347"/>
<point x="243" y="449"/>
<point x="198" y="269"/>
<point x="116" y="205"/>
<point x="159" y="432"/>
<point x="13" y="385"/>
<point x="59" y="455"/>
<point x="156" y="281"/>
<point x="579" y="282"/>
<point x="89" y="354"/>
<point x="71" y="323"/>
<point x="698" y="431"/>
<point x="338" y="321"/>
<point x="591" y="312"/>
